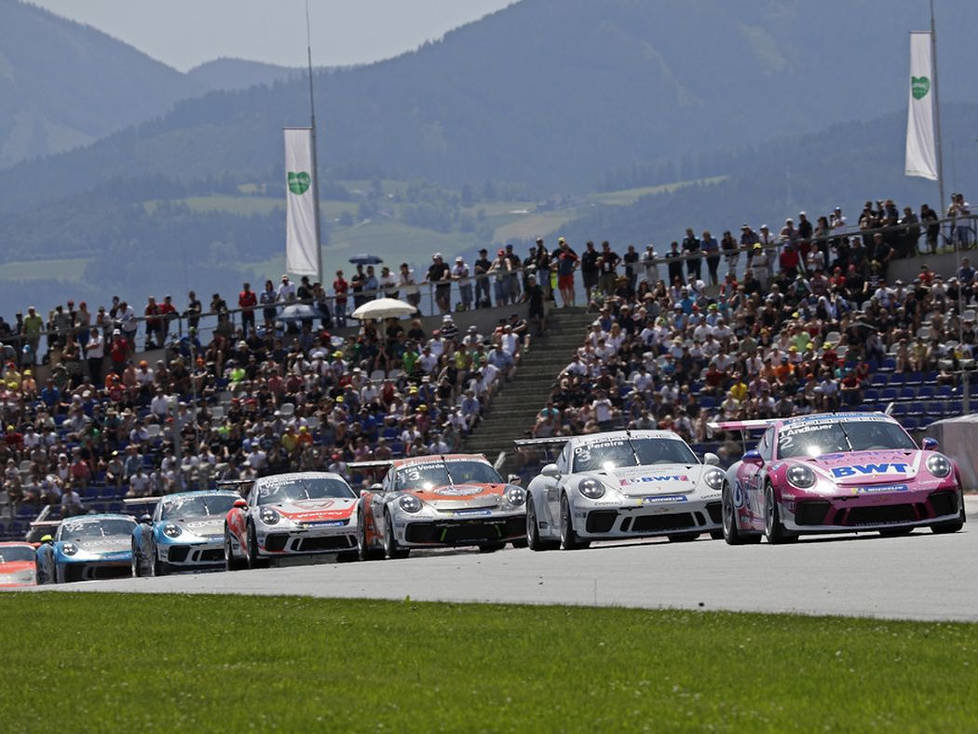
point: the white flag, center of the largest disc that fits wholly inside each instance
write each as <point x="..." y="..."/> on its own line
<point x="921" y="146"/>
<point x="302" y="242"/>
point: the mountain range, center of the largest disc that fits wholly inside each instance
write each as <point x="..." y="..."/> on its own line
<point x="775" y="102"/>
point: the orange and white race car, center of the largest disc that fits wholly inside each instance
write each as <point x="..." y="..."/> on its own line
<point x="438" y="501"/>
<point x="291" y="514"/>
<point x="17" y="565"/>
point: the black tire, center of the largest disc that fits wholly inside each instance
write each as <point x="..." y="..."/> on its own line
<point x="683" y="537"/>
<point x="952" y="526"/>
<point x="896" y="532"/>
<point x="773" y="529"/>
<point x="391" y="547"/>
<point x="568" y="537"/>
<point x="364" y="552"/>
<point x="230" y="562"/>
<point x="254" y="560"/>
<point x="491" y="547"/>
<point x="533" y="539"/>
<point x="136" y="563"/>
<point x="520" y="543"/>
<point x="731" y="533"/>
<point x="716" y="535"/>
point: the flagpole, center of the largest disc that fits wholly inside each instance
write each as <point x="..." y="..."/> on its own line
<point x="937" y="110"/>
<point x="315" y="165"/>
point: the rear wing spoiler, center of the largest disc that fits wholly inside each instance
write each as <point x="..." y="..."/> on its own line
<point x="751" y="425"/>
<point x="370" y="464"/>
<point x="45" y="523"/>
<point x="140" y="501"/>
<point x="531" y="442"/>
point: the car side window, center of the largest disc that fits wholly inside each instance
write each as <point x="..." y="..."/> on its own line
<point x="766" y="446"/>
<point x="563" y="460"/>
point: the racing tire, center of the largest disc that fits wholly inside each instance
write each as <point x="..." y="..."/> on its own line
<point x="568" y="537"/>
<point x="731" y="533"/>
<point x="230" y="562"/>
<point x="683" y="537"/>
<point x="896" y="532"/>
<point x="158" y="567"/>
<point x="951" y="526"/>
<point x="716" y="535"/>
<point x="491" y="547"/>
<point x="254" y="560"/>
<point x="533" y="539"/>
<point x="773" y="529"/>
<point x="136" y="565"/>
<point x="60" y="574"/>
<point x="391" y="547"/>
<point x="364" y="551"/>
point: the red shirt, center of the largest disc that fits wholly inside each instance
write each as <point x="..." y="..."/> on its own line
<point x="340" y="288"/>
<point x="247" y="299"/>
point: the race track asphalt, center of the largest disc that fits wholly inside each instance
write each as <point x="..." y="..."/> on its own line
<point x="922" y="576"/>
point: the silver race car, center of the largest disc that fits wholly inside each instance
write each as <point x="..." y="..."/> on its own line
<point x="622" y="484"/>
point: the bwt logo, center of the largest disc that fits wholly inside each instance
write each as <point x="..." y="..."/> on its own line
<point x="656" y="478"/>
<point x="862" y="469"/>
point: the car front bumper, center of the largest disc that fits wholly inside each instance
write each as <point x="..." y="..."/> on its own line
<point x="647" y="517"/>
<point x="325" y="537"/>
<point x="876" y="510"/>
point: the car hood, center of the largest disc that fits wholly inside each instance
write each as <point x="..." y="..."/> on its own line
<point x="642" y="481"/>
<point x="455" y="496"/>
<point x="17" y="573"/>
<point x="861" y="467"/>
<point x="328" y="508"/>
<point x="204" y="527"/>
<point x="97" y="548"/>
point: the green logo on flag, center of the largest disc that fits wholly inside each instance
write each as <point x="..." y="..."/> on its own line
<point x="299" y="182"/>
<point x="919" y="86"/>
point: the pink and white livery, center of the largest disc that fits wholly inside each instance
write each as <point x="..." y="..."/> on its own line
<point x="837" y="472"/>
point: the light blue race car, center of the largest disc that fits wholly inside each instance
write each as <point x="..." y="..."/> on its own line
<point x="184" y="531"/>
<point x="90" y="547"/>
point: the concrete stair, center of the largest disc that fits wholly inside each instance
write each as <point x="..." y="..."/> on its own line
<point x="515" y="407"/>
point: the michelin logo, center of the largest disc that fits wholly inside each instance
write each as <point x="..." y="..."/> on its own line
<point x="857" y="470"/>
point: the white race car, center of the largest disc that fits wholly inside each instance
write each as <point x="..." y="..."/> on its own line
<point x="291" y="514"/>
<point x="622" y="484"/>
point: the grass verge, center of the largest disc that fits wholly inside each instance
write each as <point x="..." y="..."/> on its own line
<point x="228" y="663"/>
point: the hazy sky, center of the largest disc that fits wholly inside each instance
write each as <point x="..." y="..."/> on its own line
<point x="184" y="33"/>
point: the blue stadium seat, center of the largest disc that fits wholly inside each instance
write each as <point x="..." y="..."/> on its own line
<point x="708" y="401"/>
<point x="888" y="394"/>
<point x="888" y="364"/>
<point x="116" y="507"/>
<point x="897" y="379"/>
<point x="926" y="391"/>
<point x="914" y="407"/>
<point x="870" y="395"/>
<point x="913" y="378"/>
<point x="908" y="393"/>
<point x="910" y="422"/>
<point x="878" y="379"/>
<point x="945" y="391"/>
<point x="89" y="493"/>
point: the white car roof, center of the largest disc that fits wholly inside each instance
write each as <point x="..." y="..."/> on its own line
<point x="622" y="435"/>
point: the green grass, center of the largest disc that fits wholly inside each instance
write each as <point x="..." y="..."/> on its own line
<point x="69" y="269"/>
<point x="627" y="197"/>
<point x="222" y="663"/>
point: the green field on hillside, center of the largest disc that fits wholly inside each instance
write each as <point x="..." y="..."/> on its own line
<point x="228" y="663"/>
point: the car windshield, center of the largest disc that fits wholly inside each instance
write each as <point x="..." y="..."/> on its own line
<point x="277" y="491"/>
<point x="438" y="473"/>
<point x="15" y="553"/>
<point x="197" y="506"/>
<point x="96" y="529"/>
<point x="621" y="452"/>
<point x="830" y="437"/>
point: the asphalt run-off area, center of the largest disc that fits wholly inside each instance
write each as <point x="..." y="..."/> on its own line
<point x="921" y="576"/>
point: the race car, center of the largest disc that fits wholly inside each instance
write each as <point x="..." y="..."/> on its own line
<point x="439" y="501"/>
<point x="90" y="547"/>
<point x="184" y="531"/>
<point x="291" y="514"/>
<point x="17" y="565"/>
<point x="837" y="472"/>
<point x="621" y="484"/>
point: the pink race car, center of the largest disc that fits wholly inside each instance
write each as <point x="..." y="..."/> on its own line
<point x="837" y="472"/>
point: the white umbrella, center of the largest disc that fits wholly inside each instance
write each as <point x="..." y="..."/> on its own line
<point x="384" y="308"/>
<point x="298" y="312"/>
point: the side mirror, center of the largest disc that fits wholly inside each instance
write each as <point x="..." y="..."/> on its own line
<point x="753" y="457"/>
<point x="376" y="487"/>
<point x="515" y="479"/>
<point x="711" y="459"/>
<point x="929" y="444"/>
<point x="240" y="504"/>
<point x="550" y="470"/>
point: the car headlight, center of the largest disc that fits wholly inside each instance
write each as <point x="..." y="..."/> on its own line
<point x="410" y="503"/>
<point x="801" y="476"/>
<point x="591" y="488"/>
<point x="69" y="549"/>
<point x="938" y="465"/>
<point x="268" y="516"/>
<point x="714" y="479"/>
<point x="516" y="495"/>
